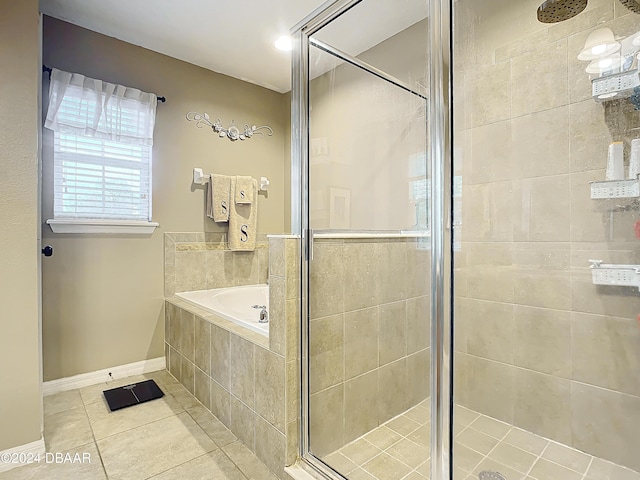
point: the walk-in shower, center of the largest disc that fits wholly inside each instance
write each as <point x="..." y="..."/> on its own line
<point x="451" y="161"/>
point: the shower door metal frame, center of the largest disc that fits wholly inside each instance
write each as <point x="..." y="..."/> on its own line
<point x="440" y="141"/>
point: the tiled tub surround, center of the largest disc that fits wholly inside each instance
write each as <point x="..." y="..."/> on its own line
<point x="202" y="261"/>
<point x="250" y="382"/>
<point x="537" y="345"/>
<point x="368" y="335"/>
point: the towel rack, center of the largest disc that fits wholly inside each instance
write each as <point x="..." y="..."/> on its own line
<point x="200" y="178"/>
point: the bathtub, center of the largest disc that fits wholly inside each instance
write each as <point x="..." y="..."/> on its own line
<point x="234" y="304"/>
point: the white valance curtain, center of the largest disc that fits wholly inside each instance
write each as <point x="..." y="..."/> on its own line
<point x="85" y="106"/>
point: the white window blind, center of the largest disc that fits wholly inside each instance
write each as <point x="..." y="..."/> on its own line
<point x="101" y="179"/>
<point x="103" y="137"/>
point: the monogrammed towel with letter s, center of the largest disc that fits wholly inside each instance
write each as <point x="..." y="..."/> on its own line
<point x="244" y="190"/>
<point x="243" y="220"/>
<point x="218" y="197"/>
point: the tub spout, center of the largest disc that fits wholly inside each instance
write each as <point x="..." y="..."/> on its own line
<point x="264" y="316"/>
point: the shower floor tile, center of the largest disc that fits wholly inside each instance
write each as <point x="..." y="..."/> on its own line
<point x="399" y="449"/>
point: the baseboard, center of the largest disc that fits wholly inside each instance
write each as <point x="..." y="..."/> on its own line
<point x="28" y="451"/>
<point x="101" y="376"/>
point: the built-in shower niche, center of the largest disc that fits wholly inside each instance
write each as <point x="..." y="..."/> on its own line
<point x="369" y="347"/>
<point x="246" y="379"/>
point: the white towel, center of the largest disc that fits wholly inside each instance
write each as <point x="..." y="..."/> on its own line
<point x="243" y="221"/>
<point x="244" y="190"/>
<point x="218" y="194"/>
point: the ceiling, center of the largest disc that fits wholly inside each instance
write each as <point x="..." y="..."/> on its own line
<point x="233" y="37"/>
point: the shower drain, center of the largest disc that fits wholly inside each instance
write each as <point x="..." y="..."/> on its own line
<point x="488" y="475"/>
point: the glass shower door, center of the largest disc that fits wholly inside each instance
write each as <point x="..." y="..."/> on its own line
<point x="368" y="278"/>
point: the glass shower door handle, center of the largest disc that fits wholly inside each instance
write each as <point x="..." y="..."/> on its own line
<point x="309" y="240"/>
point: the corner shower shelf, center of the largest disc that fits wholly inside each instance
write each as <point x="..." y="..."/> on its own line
<point x="615" y="189"/>
<point x="610" y="274"/>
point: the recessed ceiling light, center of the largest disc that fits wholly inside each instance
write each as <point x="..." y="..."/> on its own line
<point x="284" y="43"/>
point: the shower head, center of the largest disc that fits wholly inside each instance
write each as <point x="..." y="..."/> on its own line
<point x="554" y="11"/>
<point x="632" y="5"/>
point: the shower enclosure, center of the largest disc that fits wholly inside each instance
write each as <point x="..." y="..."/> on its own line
<point x="469" y="215"/>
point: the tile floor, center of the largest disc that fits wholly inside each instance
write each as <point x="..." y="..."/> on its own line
<point x="176" y="438"/>
<point x="397" y="451"/>
<point x="172" y="438"/>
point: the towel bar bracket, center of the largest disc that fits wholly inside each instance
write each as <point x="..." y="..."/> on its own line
<point x="199" y="177"/>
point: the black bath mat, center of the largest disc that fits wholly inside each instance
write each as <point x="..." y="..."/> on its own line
<point x="133" y="394"/>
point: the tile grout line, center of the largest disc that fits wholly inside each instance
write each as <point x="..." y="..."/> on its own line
<point x="381" y="451"/>
<point x="218" y="447"/>
<point x="221" y="447"/>
<point x="485" y="457"/>
<point x="540" y="456"/>
<point x="406" y="437"/>
<point x="93" y="436"/>
<point x="173" y="414"/>
<point x="386" y="450"/>
<point x="537" y="460"/>
<point x="178" y="465"/>
<point x="500" y="440"/>
<point x="591" y="457"/>
<point x="403" y="437"/>
<point x="231" y="460"/>
<point x="588" y="468"/>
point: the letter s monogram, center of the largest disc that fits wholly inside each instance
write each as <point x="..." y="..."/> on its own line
<point x="244" y="235"/>
<point x="223" y="203"/>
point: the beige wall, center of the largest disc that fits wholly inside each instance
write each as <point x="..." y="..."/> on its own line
<point x="103" y="295"/>
<point x="20" y="398"/>
<point x="537" y="344"/>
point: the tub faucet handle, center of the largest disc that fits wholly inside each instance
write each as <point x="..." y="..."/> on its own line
<point x="264" y="316"/>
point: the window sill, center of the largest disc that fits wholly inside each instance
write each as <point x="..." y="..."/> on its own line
<point x="102" y="226"/>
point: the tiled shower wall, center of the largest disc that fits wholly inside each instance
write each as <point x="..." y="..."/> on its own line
<point x="369" y="335"/>
<point x="537" y="345"/>
<point x="250" y="382"/>
<point x="202" y="260"/>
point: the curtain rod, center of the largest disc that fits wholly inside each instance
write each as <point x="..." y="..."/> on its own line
<point x="48" y="70"/>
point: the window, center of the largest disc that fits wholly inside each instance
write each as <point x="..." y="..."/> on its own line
<point x="103" y="137"/>
<point x="100" y="179"/>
